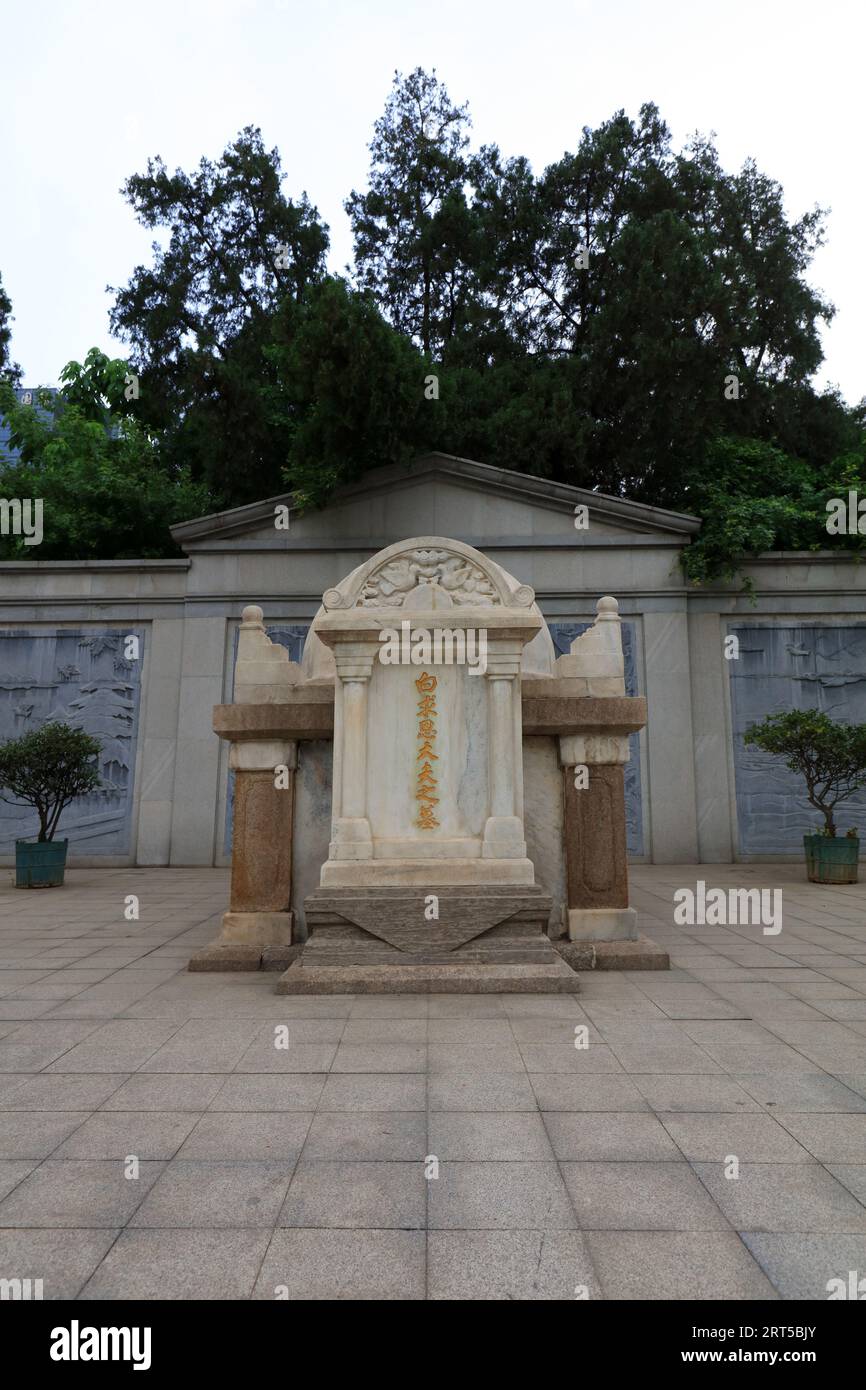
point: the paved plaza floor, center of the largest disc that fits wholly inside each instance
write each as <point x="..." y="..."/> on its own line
<point x="174" y="1135"/>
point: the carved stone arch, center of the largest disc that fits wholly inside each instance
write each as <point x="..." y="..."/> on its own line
<point x="461" y="575"/>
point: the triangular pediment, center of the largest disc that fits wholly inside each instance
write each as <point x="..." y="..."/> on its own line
<point x="442" y="495"/>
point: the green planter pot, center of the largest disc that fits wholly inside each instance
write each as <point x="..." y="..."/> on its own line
<point x="40" y="864"/>
<point x="831" y="860"/>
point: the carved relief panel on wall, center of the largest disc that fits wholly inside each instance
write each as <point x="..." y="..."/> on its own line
<point x="797" y="666"/>
<point x="84" y="678"/>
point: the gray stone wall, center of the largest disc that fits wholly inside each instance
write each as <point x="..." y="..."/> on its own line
<point x="693" y="796"/>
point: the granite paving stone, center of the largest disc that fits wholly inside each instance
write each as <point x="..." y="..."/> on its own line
<point x="641" y="1197"/>
<point x="502" y="1265"/>
<point x="180" y="1264"/>
<point x="376" y="1195"/>
<point x="429" y="1146"/>
<point x="341" y="1265"/>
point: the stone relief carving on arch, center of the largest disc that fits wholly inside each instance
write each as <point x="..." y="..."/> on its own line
<point x="458" y="575"/>
<point x="463" y="581"/>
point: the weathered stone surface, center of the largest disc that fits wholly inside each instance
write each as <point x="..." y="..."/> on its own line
<point x="553" y="706"/>
<point x="543" y="818"/>
<point x="484" y="938"/>
<point x="257" y="928"/>
<point x="641" y="954"/>
<point x="595" y="845"/>
<point x="227" y="956"/>
<point x="306" y="711"/>
<point x="359" y="920"/>
<point x="601" y="924"/>
<point x="232" y="956"/>
<point x="280" y="957"/>
<point x="262" y="843"/>
<point x="429" y="979"/>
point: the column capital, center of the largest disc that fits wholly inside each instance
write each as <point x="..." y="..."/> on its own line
<point x="263" y="755"/>
<point x="502" y="666"/>
<point x="580" y="750"/>
<point x="354" y="663"/>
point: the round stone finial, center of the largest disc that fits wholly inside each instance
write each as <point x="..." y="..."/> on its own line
<point x="253" y="616"/>
<point x="607" y="607"/>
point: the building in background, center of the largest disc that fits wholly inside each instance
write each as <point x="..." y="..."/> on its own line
<point x="27" y="395"/>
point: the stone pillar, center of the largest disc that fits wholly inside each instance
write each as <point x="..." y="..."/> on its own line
<point x="595" y="838"/>
<point x="503" y="831"/>
<point x="670" y="738"/>
<point x="261" y="883"/>
<point x="710" y="675"/>
<point x="351" y="837"/>
<point x="197" y="753"/>
<point x="162" y="673"/>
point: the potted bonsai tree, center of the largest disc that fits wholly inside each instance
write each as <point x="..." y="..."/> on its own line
<point x="46" y="769"/>
<point x="831" y="758"/>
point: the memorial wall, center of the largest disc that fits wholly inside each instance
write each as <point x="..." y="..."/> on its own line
<point x="693" y="792"/>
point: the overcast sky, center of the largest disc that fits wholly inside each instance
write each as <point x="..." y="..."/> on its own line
<point x="91" y="88"/>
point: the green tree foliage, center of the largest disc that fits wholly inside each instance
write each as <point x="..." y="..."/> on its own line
<point x="684" y="347"/>
<point x="412" y="228"/>
<point x="754" y="497"/>
<point x="47" y="769"/>
<point x="199" y="319"/>
<point x="675" y="366"/>
<point x="8" y="369"/>
<point x="693" y="276"/>
<point x="352" y="390"/>
<point x="106" y="490"/>
<point x="829" y="756"/>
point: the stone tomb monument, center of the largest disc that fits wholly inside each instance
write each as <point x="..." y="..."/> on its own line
<point x="433" y="672"/>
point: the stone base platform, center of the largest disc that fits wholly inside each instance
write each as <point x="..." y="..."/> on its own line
<point x="640" y="954"/>
<point x="456" y="925"/>
<point x="229" y="956"/>
<point x="428" y="979"/>
<point x="455" y="939"/>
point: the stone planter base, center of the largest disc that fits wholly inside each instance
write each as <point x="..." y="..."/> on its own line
<point x="831" y="859"/>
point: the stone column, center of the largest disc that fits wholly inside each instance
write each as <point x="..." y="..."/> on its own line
<point x="197" y="753"/>
<point x="503" y="831"/>
<point x="595" y="838"/>
<point x="261" y="883"/>
<point x="710" y="675"/>
<point x="351" y="838"/>
<point x="670" y="738"/>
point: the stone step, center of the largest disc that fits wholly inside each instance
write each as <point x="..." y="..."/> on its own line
<point x="429" y="979"/>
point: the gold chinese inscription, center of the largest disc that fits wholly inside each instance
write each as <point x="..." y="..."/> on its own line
<point x="426" y="784"/>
